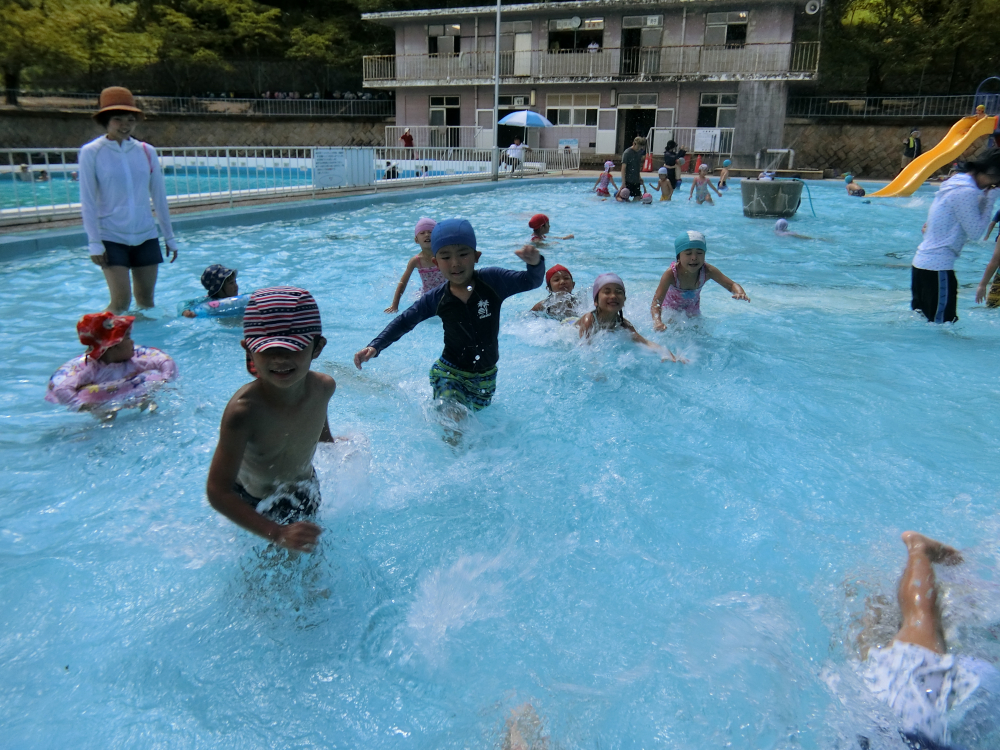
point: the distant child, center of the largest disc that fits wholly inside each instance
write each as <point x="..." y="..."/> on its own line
<point x="220" y="284"/>
<point x="113" y="373"/>
<point x="605" y="179"/>
<point x="680" y="286"/>
<point x="781" y="229"/>
<point x="608" y="315"/>
<point x="262" y="477"/>
<point x="663" y="184"/>
<point x="647" y="199"/>
<point x="539" y="225"/>
<point x="701" y="186"/>
<point x="423" y="261"/>
<point x="853" y="188"/>
<point x="561" y="302"/>
<point x="724" y="176"/>
<point x="469" y="307"/>
<point x="623" y="195"/>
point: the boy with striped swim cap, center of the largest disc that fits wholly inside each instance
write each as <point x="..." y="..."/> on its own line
<point x="469" y="308"/>
<point x="262" y="476"/>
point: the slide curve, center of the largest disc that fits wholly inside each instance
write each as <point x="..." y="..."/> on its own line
<point x="962" y="135"/>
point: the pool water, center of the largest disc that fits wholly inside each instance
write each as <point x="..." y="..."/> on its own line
<point x="649" y="554"/>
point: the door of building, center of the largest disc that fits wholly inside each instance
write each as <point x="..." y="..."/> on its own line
<point x="633" y="122"/>
<point x="607" y="128"/>
<point x="522" y="54"/>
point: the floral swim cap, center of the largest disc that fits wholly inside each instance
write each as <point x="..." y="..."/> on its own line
<point x="101" y="331"/>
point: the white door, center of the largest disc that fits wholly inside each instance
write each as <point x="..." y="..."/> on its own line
<point x="522" y="54"/>
<point x="484" y="131"/>
<point x="607" y="130"/>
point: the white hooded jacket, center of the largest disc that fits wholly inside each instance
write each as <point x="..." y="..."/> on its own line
<point x="961" y="211"/>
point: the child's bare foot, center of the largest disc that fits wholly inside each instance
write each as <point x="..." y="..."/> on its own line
<point x="935" y="550"/>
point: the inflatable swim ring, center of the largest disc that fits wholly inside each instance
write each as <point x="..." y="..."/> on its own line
<point x="207" y="307"/>
<point x="84" y="383"/>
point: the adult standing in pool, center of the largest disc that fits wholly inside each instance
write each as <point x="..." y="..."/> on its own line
<point x="119" y="175"/>
<point x="632" y="167"/>
<point x="960" y="212"/>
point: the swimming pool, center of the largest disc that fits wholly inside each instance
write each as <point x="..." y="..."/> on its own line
<point x="652" y="555"/>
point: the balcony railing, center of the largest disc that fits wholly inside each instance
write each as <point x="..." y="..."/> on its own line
<point x="796" y="60"/>
<point x="887" y="106"/>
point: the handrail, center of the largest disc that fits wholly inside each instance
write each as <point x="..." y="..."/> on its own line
<point x="864" y="107"/>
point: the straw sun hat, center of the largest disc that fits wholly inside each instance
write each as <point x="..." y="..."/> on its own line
<point x="116" y="99"/>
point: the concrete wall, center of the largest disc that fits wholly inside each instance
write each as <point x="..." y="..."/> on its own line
<point x="864" y="149"/>
<point x="760" y="116"/>
<point x="70" y="130"/>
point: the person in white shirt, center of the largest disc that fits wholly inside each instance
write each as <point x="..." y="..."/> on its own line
<point x="960" y="212"/>
<point x="119" y="176"/>
<point x="515" y="154"/>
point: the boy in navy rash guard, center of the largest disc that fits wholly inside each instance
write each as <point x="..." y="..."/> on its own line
<point x="469" y="307"/>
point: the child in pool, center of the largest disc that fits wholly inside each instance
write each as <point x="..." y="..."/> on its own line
<point x="561" y="302"/>
<point x="663" y="184"/>
<point x="113" y="373"/>
<point x="724" y="176"/>
<point x="219" y="282"/>
<point x="781" y="229"/>
<point x="423" y="261"/>
<point x="609" y="302"/>
<point x="701" y="185"/>
<point x="469" y="308"/>
<point x="853" y="188"/>
<point x="606" y="178"/>
<point x="262" y="477"/>
<point x="623" y="195"/>
<point x="539" y="225"/>
<point x="680" y="286"/>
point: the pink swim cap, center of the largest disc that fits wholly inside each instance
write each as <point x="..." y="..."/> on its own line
<point x="424" y="225"/>
<point x="604" y="279"/>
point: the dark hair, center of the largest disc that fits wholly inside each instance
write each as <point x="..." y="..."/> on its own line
<point x="671" y="145"/>
<point x="988" y="162"/>
<point x="103" y="118"/>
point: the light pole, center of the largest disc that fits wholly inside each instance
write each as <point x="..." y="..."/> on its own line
<point x="496" y="98"/>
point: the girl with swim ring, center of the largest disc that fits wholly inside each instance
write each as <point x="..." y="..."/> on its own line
<point x="224" y="299"/>
<point x="608" y="315"/>
<point x="113" y="373"/>
<point x="680" y="286"/>
<point x="605" y="179"/>
<point x="423" y="262"/>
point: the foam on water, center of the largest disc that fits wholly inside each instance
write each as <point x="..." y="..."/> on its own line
<point x="649" y="554"/>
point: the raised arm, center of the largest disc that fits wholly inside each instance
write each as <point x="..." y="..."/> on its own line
<point x="656" y="308"/>
<point x="234" y="435"/>
<point x="401" y="286"/>
<point x="419" y="311"/>
<point x="725" y="282"/>
<point x="991" y="268"/>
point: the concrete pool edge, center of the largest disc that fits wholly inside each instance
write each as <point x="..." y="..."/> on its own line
<point x="17" y="244"/>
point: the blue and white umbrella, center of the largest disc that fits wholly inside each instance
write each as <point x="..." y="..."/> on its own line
<point x="525" y="118"/>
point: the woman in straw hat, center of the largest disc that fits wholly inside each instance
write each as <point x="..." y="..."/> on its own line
<point x="118" y="177"/>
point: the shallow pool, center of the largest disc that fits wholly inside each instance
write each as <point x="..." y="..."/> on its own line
<point x="651" y="555"/>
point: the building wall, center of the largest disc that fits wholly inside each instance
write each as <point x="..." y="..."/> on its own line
<point x="760" y="118"/>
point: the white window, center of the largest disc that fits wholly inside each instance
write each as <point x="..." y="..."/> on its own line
<point x="715" y="100"/>
<point x="640" y="101"/>
<point x="572" y="109"/>
<point x="726" y="29"/>
<point x="443" y="39"/>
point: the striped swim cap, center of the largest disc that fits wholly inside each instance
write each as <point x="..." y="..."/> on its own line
<point x="281" y="317"/>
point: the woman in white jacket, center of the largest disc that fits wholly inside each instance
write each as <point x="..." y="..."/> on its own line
<point x="960" y="212"/>
<point x="118" y="177"/>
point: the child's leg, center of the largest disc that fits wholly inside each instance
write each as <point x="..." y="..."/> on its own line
<point x="708" y="198"/>
<point x="918" y="593"/>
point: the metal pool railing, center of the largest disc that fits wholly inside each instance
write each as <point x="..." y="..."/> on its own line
<point x="864" y="107"/>
<point x="43" y="184"/>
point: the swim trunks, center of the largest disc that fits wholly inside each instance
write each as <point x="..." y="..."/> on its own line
<point x="133" y="256"/>
<point x="993" y="298"/>
<point x="920" y="686"/>
<point x="935" y="294"/>
<point x="290" y="502"/>
<point x="474" y="390"/>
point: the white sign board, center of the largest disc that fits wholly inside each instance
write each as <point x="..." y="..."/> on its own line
<point x="706" y="140"/>
<point x="343" y="167"/>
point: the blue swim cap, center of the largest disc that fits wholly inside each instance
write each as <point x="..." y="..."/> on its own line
<point x="452" y="232"/>
<point x="848" y="178"/>
<point x="690" y="240"/>
<point x="727" y="163"/>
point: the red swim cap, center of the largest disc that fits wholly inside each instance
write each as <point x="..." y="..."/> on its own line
<point x="538" y="220"/>
<point x="553" y="271"/>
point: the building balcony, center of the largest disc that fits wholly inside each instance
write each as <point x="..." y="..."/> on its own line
<point x="795" y="61"/>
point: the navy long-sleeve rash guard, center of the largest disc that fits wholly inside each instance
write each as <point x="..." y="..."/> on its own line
<point x="471" y="329"/>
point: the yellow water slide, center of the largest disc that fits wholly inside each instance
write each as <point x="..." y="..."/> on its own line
<point x="962" y="135"/>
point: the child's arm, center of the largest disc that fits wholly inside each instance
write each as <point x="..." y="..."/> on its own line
<point x="584" y="324"/>
<point x="727" y="283"/>
<point x="539" y="306"/>
<point x="664" y="353"/>
<point x="713" y="187"/>
<point x="991" y="268"/>
<point x="656" y="309"/>
<point x="234" y="434"/>
<point x="989" y="231"/>
<point x="401" y="286"/>
<point x="655" y="187"/>
<point x="694" y="182"/>
<point x="614" y="187"/>
<point x="419" y="311"/>
<point x="507" y="283"/>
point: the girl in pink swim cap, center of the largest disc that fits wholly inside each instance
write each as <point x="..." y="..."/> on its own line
<point x="608" y="315"/>
<point x="423" y="262"/>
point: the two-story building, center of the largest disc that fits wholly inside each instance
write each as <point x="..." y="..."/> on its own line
<point x="603" y="71"/>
